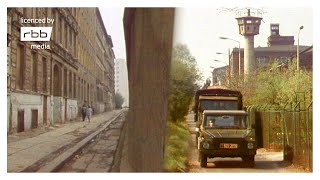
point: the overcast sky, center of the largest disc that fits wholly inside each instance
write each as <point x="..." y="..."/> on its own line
<point x="200" y="28"/>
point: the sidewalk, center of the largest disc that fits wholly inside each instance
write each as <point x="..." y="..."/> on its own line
<point x="32" y="153"/>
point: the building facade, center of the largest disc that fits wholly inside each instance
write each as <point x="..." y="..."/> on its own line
<point x="280" y="49"/>
<point x="121" y="80"/>
<point x="48" y="85"/>
<point x="306" y="58"/>
<point x="219" y="76"/>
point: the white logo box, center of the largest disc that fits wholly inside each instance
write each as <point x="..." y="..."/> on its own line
<point x="35" y="33"/>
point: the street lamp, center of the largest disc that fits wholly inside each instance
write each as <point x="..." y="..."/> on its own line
<point x="298" y="53"/>
<point x="221" y="53"/>
<point x="239" y="52"/>
<point x="220" y="61"/>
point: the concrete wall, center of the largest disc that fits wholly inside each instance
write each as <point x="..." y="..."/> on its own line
<point x="27" y="103"/>
<point x="99" y="108"/>
<point x="58" y="110"/>
<point x="148" y="35"/>
<point x="72" y="111"/>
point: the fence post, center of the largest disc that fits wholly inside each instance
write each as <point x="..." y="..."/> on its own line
<point x="269" y="130"/>
<point x="308" y="141"/>
<point x="295" y="129"/>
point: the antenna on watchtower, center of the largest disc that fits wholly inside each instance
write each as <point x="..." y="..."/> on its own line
<point x="243" y="11"/>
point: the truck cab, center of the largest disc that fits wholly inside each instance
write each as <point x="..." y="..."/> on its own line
<point x="226" y="133"/>
<point x="215" y="98"/>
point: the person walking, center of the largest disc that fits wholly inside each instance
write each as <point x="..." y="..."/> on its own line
<point x="89" y="112"/>
<point x="83" y="112"/>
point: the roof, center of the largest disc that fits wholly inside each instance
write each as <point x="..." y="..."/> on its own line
<point x="275" y="48"/>
<point x="280" y="48"/>
<point x="218" y="90"/>
<point x="221" y="68"/>
<point x="225" y="112"/>
<point x="307" y="50"/>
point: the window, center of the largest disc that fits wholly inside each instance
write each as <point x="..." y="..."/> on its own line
<point x="74" y="44"/>
<point x="60" y="30"/>
<point x="44" y="75"/>
<point x="70" y="39"/>
<point x="65" y="34"/>
<point x="24" y="10"/>
<point x="70" y="85"/>
<point x="225" y="121"/>
<point x="216" y="105"/>
<point x="283" y="59"/>
<point x="34" y="71"/>
<point x="55" y="24"/>
<point x="65" y="83"/>
<point x="263" y="60"/>
<point x="20" y="66"/>
<point x="74" y="85"/>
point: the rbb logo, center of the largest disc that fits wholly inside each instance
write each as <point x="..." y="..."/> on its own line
<point x="35" y="33"/>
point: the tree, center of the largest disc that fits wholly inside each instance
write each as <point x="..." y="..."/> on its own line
<point x="275" y="85"/>
<point x="184" y="78"/>
<point x="118" y="100"/>
<point x="183" y="82"/>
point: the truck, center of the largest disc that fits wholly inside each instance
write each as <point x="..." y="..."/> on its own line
<point x="215" y="98"/>
<point x="226" y="133"/>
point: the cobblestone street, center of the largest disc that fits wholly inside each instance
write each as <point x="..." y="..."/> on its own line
<point x="98" y="156"/>
<point x="45" y="151"/>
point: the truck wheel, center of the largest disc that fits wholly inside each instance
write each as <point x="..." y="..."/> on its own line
<point x="249" y="160"/>
<point x="203" y="160"/>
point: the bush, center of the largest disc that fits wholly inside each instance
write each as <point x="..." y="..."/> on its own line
<point x="275" y="86"/>
<point x="176" y="151"/>
<point x="118" y="100"/>
<point x="183" y="82"/>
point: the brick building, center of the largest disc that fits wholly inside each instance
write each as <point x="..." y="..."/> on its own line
<point x="47" y="86"/>
<point x="220" y="75"/>
<point x="306" y="58"/>
<point x="280" y="48"/>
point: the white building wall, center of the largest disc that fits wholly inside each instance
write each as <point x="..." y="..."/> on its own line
<point x="121" y="80"/>
<point x="27" y="103"/>
<point x="72" y="109"/>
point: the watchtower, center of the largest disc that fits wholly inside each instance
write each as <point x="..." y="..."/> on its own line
<point x="249" y="22"/>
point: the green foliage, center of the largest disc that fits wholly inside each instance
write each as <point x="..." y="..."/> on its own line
<point x="276" y="86"/>
<point x="118" y="100"/>
<point x="183" y="82"/>
<point x="176" y="151"/>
